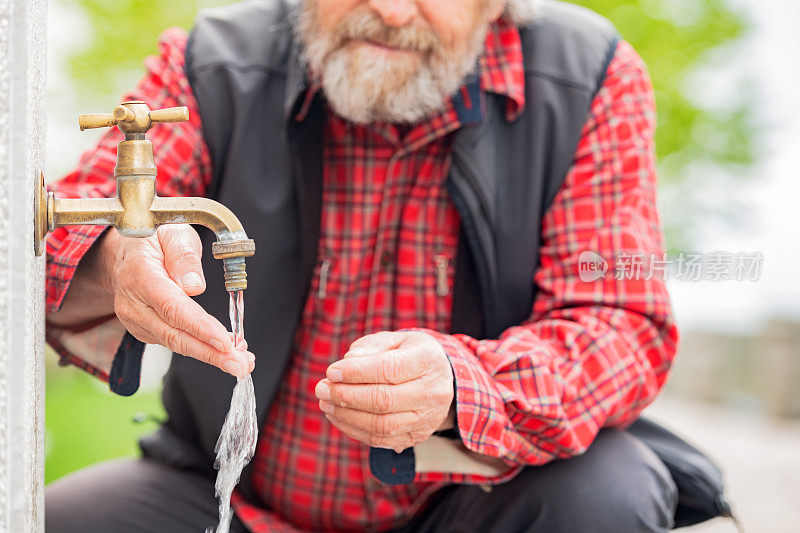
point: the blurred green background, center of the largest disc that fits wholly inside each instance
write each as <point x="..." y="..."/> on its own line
<point x="85" y="423"/>
<point x="681" y="40"/>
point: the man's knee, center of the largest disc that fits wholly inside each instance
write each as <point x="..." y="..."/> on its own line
<point x="81" y="501"/>
<point x="617" y="485"/>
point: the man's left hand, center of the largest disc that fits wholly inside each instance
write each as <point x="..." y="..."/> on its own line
<point x="391" y="389"/>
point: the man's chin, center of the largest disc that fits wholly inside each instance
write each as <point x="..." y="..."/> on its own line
<point x="369" y="83"/>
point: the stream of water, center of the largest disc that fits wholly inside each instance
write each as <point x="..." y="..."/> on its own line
<point x="237" y="440"/>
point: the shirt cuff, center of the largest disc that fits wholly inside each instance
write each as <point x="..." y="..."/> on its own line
<point x="478" y="402"/>
<point x="442" y="460"/>
<point x="438" y="460"/>
<point x="103" y="349"/>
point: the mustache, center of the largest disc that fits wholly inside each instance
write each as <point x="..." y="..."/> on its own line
<point x="366" y="26"/>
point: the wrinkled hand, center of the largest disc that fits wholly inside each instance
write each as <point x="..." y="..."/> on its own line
<point x="391" y="390"/>
<point x="152" y="280"/>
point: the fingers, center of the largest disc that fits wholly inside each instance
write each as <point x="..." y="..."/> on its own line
<point x="183" y="313"/>
<point x="391" y="390"/>
<point x="153" y="280"/>
<point x="376" y="343"/>
<point x="384" y="425"/>
<point x="354" y="432"/>
<point x="398" y="442"/>
<point x="380" y="398"/>
<point x="241" y="346"/>
<point x="149" y="327"/>
<point x="393" y="367"/>
<point x="182" y="253"/>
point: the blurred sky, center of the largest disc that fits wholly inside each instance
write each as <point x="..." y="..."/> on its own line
<point x="769" y="222"/>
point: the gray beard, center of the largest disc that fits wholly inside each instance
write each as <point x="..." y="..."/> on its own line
<point x="365" y="89"/>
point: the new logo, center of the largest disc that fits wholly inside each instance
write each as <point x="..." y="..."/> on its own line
<point x="591" y="266"/>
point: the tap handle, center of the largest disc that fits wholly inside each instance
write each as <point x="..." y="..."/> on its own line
<point x="102" y="120"/>
<point x="96" y="120"/>
<point x="170" y="114"/>
<point x="133" y="117"/>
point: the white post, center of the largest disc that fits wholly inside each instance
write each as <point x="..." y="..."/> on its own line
<point x="23" y="28"/>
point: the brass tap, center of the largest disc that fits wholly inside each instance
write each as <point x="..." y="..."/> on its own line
<point x="137" y="211"/>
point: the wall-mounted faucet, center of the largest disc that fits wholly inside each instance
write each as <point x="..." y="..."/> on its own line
<point x="137" y="211"/>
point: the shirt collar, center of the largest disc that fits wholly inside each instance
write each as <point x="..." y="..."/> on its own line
<point x="501" y="66"/>
<point x="500" y="70"/>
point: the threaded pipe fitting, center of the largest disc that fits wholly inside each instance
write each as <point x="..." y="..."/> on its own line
<point x="235" y="274"/>
<point x="232" y="254"/>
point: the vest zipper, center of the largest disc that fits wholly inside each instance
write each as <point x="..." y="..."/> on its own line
<point x="442" y="286"/>
<point x="324" y="271"/>
<point x="475" y="249"/>
<point x="473" y="182"/>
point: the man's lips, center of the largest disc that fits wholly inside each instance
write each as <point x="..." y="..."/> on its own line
<point x="386" y="47"/>
<point x="381" y="45"/>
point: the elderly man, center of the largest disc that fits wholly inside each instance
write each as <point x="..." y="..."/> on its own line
<point x="423" y="179"/>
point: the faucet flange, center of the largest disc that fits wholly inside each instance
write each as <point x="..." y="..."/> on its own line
<point x="240" y="248"/>
<point x="41" y="222"/>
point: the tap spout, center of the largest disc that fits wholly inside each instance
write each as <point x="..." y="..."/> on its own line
<point x="201" y="211"/>
<point x="141" y="218"/>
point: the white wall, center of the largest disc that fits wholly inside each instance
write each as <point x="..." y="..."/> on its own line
<point x="22" y="127"/>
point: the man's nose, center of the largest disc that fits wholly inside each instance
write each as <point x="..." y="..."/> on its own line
<point x="395" y="12"/>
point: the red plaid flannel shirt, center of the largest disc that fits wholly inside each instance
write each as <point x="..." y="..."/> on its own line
<point x="591" y="354"/>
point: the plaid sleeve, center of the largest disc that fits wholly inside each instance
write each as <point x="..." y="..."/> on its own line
<point x="184" y="169"/>
<point x="593" y="353"/>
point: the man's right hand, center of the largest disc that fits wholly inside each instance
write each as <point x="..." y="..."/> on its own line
<point x="150" y="282"/>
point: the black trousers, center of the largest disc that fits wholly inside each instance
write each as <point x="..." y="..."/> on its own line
<point x="617" y="486"/>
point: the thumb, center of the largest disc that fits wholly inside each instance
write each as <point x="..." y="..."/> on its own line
<point x="182" y="250"/>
